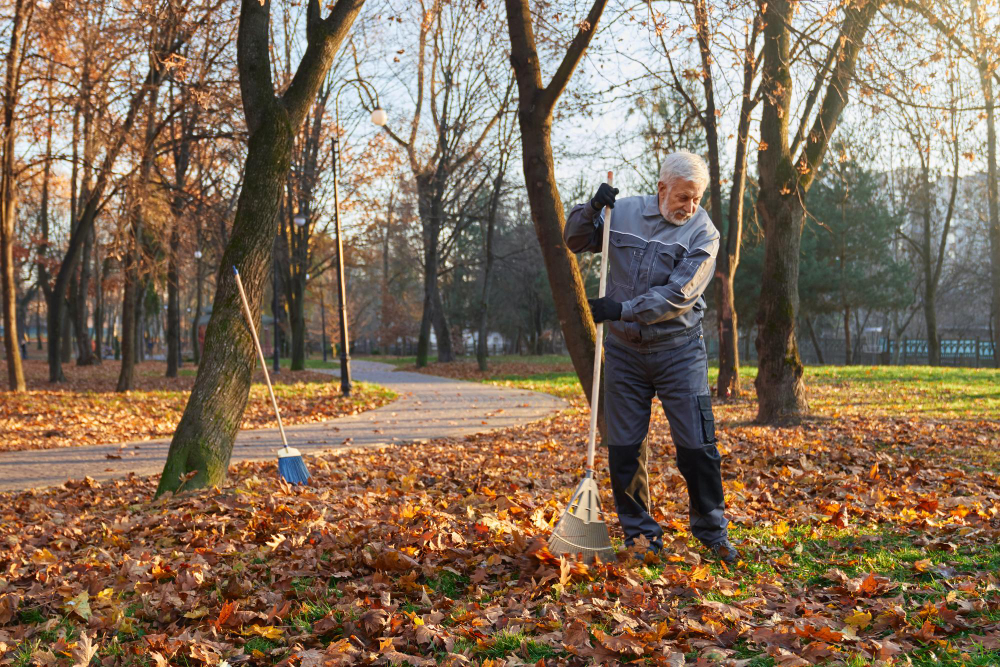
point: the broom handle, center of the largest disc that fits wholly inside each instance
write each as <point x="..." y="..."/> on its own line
<point x="599" y="343"/>
<point x="260" y="353"/>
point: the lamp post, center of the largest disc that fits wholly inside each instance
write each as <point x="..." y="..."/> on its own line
<point x="322" y="315"/>
<point x="379" y="118"/>
<point x="298" y="262"/>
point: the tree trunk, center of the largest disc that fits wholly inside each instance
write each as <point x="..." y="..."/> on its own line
<point x="66" y="342"/>
<point x="784" y="183"/>
<point x="133" y="294"/>
<point x="203" y="443"/>
<point x="173" y="303"/>
<point x="99" y="279"/>
<point x="484" y="299"/>
<point x="84" y="349"/>
<point x="780" y="390"/>
<point x="15" y="371"/>
<point x="297" y="321"/>
<point x="815" y="341"/>
<point x="536" y="103"/>
<point x="195" y="338"/>
<point x="848" y="357"/>
<point x="8" y="194"/>
<point x="986" y="71"/>
<point x="930" y="319"/>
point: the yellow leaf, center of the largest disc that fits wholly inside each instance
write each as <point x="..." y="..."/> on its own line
<point x="267" y="631"/>
<point x="859" y="619"/>
<point x="923" y="565"/>
<point x="781" y="529"/>
<point x="43" y="556"/>
<point x="197" y="613"/>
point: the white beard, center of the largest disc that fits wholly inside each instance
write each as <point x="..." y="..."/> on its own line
<point x="677" y="219"/>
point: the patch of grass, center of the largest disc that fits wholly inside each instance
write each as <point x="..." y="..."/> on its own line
<point x="310" y="363"/>
<point x="259" y="644"/>
<point x="564" y="385"/>
<point x="31" y="616"/>
<point x="309" y="613"/>
<point x="21" y="657"/>
<point x="506" y="642"/>
<point x="978" y="657"/>
<point x="463" y="644"/>
<point x="62" y="629"/>
<point x="449" y="584"/>
<point x="968" y="393"/>
<point x="301" y="584"/>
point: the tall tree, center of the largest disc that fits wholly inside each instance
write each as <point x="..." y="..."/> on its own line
<point x="86" y="209"/>
<point x="784" y="182"/>
<point x="203" y="442"/>
<point x="23" y="10"/>
<point x="498" y="173"/>
<point x="986" y="47"/>
<point x="454" y="80"/>
<point x="729" y="256"/>
<point x="536" y="103"/>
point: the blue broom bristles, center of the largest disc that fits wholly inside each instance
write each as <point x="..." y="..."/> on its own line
<point x="291" y="466"/>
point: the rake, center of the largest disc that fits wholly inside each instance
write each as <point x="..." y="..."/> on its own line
<point x="580" y="529"/>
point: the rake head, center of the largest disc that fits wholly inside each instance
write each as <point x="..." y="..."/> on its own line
<point x="580" y="529"/>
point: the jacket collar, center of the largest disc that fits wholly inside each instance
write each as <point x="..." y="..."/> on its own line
<point x="651" y="207"/>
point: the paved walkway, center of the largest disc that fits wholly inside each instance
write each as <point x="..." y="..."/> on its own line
<point x="428" y="407"/>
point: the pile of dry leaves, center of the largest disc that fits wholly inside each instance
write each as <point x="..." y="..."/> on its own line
<point x="862" y="538"/>
<point x="86" y="410"/>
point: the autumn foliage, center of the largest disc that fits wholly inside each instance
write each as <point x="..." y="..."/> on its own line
<point x="87" y="411"/>
<point x="863" y="535"/>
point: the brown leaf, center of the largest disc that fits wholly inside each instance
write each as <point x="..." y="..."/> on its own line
<point x="83" y="651"/>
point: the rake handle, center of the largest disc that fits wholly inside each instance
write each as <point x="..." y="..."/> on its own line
<point x="599" y="342"/>
<point x="260" y="353"/>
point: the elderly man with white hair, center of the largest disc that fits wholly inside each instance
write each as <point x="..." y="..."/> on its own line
<point x="662" y="257"/>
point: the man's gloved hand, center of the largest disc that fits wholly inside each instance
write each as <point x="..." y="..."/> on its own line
<point x="605" y="197"/>
<point x="605" y="309"/>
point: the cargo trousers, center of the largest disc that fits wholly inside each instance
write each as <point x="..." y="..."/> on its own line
<point x="678" y="375"/>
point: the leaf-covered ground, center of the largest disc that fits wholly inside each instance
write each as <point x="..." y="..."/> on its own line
<point x="86" y="410"/>
<point x="867" y="539"/>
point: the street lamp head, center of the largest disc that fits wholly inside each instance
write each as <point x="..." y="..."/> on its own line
<point x="379" y="116"/>
<point x="197" y="254"/>
<point x="300" y="220"/>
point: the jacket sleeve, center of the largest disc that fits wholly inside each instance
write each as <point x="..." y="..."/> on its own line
<point x="584" y="229"/>
<point x="691" y="275"/>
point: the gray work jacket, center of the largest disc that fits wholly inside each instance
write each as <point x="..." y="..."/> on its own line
<point x="658" y="270"/>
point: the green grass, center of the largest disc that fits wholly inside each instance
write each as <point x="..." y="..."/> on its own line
<point x="31" y="616"/>
<point x="318" y="362"/>
<point x="449" y="584"/>
<point x="506" y="642"/>
<point x="925" y="391"/>
<point x="259" y="644"/>
<point x="471" y="359"/>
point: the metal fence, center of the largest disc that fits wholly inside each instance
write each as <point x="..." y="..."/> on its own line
<point x="965" y="352"/>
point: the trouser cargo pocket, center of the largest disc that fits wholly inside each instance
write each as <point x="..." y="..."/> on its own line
<point x="707" y="420"/>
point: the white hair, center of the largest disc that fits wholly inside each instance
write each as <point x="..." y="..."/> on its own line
<point x="684" y="165"/>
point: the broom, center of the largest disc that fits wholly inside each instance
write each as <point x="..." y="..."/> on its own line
<point x="290" y="464"/>
<point x="580" y="529"/>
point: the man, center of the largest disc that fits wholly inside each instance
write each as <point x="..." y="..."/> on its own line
<point x="662" y="257"/>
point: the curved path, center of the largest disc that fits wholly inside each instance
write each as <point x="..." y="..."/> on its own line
<point x="428" y="407"/>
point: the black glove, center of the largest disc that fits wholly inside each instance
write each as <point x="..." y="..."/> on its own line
<point x="605" y="309"/>
<point x="605" y="197"/>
